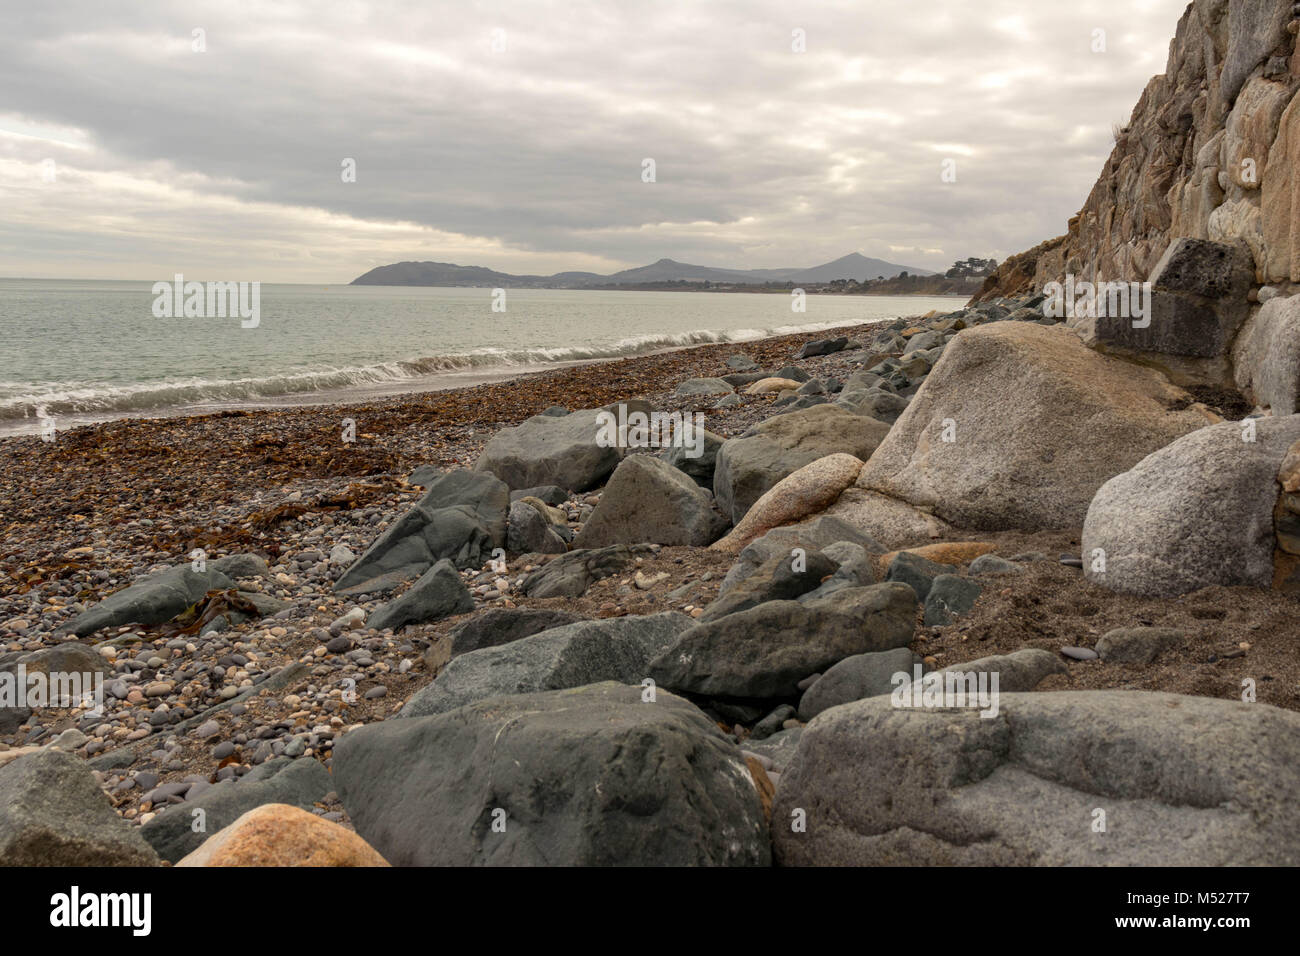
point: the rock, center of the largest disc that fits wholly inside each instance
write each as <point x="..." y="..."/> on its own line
<point x="438" y="593"/>
<point x="1194" y="514"/>
<point x="1254" y="31"/>
<point x="1279" y="260"/>
<point x="766" y="386"/>
<point x="742" y="363"/>
<point x="951" y="597"/>
<point x="572" y="451"/>
<point x="810" y="490"/>
<point x="764" y="652"/>
<point x="778" y="748"/>
<point x="461" y="517"/>
<point x="585" y="652"/>
<point x="1018" y="672"/>
<point x="780" y="578"/>
<point x="915" y="571"/>
<point x="727" y="401"/>
<point x="895" y="524"/>
<point x="341" y="556"/>
<point x="528" y="532"/>
<point x="299" y="782"/>
<point x="992" y="564"/>
<point x="588" y="776"/>
<point x="1138" y="645"/>
<point x="153" y="599"/>
<point x="1198" y="302"/>
<point x="1183" y="781"/>
<point x="277" y="834"/>
<point x="815" y="535"/>
<point x="552" y="495"/>
<point x="571" y="574"/>
<point x="696" y="458"/>
<point x="874" y="403"/>
<point x="1267" y="356"/>
<point x="772" y="722"/>
<point x="500" y="625"/>
<point x="53" y="813"/>
<point x="822" y="347"/>
<point x="751" y="465"/>
<point x="856" y="677"/>
<point x="1079" y="653"/>
<point x="856" y="569"/>
<point x="1038" y="422"/>
<point x="792" y="372"/>
<point x="648" y="500"/>
<point x="703" y="386"/>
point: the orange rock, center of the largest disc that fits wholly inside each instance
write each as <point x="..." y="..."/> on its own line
<point x="946" y="552"/>
<point x="808" y="491"/>
<point x="277" y="834"/>
<point x="763" y="784"/>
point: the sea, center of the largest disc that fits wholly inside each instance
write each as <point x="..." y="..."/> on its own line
<point x="75" y="352"/>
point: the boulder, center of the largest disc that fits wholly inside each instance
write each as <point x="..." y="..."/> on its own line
<point x="1267" y="356"/>
<point x="570" y="575"/>
<point x="856" y="569"/>
<point x="703" y="386"/>
<point x="53" y="813"/>
<point x="462" y="516"/>
<point x="1016" y="428"/>
<point x="1182" y="781"/>
<point x="822" y="347"/>
<point x="808" y="491"/>
<point x="587" y="776"/>
<point x="915" y="571"/>
<point x="573" y="451"/>
<point x="618" y="649"/>
<point x="1138" y="645"/>
<point x="878" y="403"/>
<point x="648" y="500"/>
<point x="764" y="652"/>
<point x="766" y="386"/>
<point x="505" y="625"/>
<point x="529" y="532"/>
<point x="815" y="535"/>
<point x="856" y="677"/>
<point x="1194" y="514"/>
<point x="751" y="465"/>
<point x="438" y="593"/>
<point x="696" y="459"/>
<point x="1198" y="302"/>
<point x="301" y="782"/>
<point x="951" y="597"/>
<point x="552" y="495"/>
<point x="781" y="578"/>
<point x="277" y="834"/>
<point x="895" y="524"/>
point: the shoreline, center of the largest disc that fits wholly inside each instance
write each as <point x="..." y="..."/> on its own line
<point x="379" y="393"/>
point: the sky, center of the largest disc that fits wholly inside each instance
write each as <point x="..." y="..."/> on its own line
<point x="218" y="139"/>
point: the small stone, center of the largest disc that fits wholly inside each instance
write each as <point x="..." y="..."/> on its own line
<point x="1079" y="653"/>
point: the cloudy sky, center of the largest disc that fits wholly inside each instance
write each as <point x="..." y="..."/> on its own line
<point x="513" y="134"/>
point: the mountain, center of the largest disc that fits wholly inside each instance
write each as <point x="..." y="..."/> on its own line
<point x="853" y="266"/>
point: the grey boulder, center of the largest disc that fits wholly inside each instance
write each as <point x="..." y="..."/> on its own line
<point x="856" y="677"/>
<point x="1196" y="513"/>
<point x="462" y="516"/>
<point x="504" y="625"/>
<point x="587" y="776"/>
<point x="648" y="500"/>
<point x="438" y="593"/>
<point x="570" y="575"/>
<point x="528" y="532"/>
<point x="53" y="813"/>
<point x="586" y="652"/>
<point x="766" y="651"/>
<point x="1181" y="781"/>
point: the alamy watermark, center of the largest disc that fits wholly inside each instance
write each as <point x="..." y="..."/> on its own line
<point x="208" y="300"/>
<point x="57" y="689"/>
<point x="1094" y="300"/>
<point x="946" y="689"/>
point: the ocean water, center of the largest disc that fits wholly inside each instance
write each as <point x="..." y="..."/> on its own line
<point x="83" y="351"/>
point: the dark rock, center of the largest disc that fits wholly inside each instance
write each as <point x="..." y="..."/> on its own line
<point x="950" y="597"/>
<point x="505" y="625"/>
<point x="590" y="776"/>
<point x="1138" y="645"/>
<point x="916" y="572"/>
<point x="570" y="656"/>
<point x="780" y="578"/>
<point x="529" y="532"/>
<point x="648" y="500"/>
<point x="856" y="677"/>
<point x="571" y="574"/>
<point x="438" y="593"/>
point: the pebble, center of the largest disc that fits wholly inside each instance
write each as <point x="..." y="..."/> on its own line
<point x="1079" y="653"/>
<point x="207" y="729"/>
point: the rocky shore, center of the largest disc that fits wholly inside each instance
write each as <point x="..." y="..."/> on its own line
<point x="438" y="637"/>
